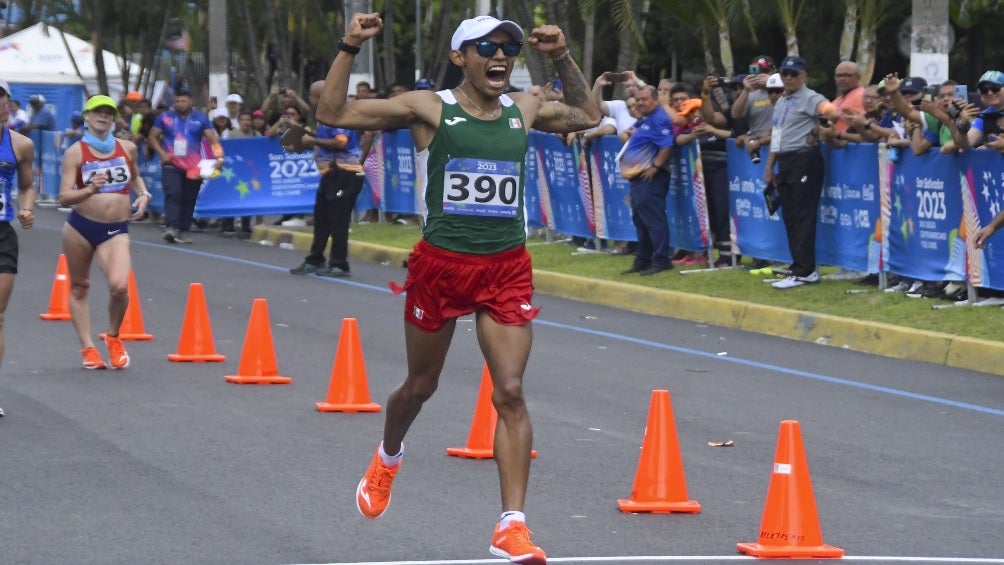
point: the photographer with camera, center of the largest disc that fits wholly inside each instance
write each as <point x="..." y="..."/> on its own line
<point x="985" y="127"/>
<point x="913" y="99"/>
<point x="280" y="99"/>
<point x="755" y="106"/>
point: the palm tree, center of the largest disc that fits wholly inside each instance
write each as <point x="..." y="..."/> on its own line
<point x="789" y="12"/>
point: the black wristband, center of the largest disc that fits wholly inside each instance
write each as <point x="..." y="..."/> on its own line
<point x="350" y="49"/>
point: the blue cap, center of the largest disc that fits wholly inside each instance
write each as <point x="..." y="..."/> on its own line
<point x="993" y="77"/>
<point x="793" y="63"/>
<point x="913" y="85"/>
<point x="423" y="84"/>
<point x="76" y="117"/>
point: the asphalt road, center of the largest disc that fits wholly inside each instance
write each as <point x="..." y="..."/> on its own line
<point x="168" y="463"/>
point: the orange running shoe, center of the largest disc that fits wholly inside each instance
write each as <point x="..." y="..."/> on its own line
<point x="92" y="359"/>
<point x="117" y="356"/>
<point x="373" y="492"/>
<point x="514" y="544"/>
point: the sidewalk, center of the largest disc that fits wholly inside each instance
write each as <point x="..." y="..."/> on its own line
<point x="869" y="337"/>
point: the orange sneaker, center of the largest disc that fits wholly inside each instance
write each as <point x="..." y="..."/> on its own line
<point x="373" y="492"/>
<point x="117" y="356"/>
<point x="514" y="544"/>
<point x="92" y="359"/>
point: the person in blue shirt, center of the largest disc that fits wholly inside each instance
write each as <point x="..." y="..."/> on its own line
<point x="644" y="162"/>
<point x="338" y="156"/>
<point x="41" y="118"/>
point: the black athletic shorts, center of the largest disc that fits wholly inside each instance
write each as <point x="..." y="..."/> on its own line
<point x="8" y="248"/>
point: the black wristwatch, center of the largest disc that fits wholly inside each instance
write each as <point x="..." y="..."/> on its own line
<point x="350" y="49"/>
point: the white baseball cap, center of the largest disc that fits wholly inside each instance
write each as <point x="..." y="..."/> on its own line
<point x="476" y="28"/>
<point x="218" y="113"/>
<point x="234" y="98"/>
<point x="5" y="87"/>
<point x="774" y="81"/>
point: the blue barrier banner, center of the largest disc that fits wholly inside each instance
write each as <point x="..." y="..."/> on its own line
<point x="686" y="204"/>
<point x="373" y="166"/>
<point x="757" y="233"/>
<point x="610" y="191"/>
<point x="258" y="177"/>
<point x="983" y="198"/>
<point x="531" y="193"/>
<point x="924" y="238"/>
<point x="149" y="169"/>
<point x="50" y="149"/>
<point x="849" y="207"/>
<point x="399" y="194"/>
<point x="560" y="172"/>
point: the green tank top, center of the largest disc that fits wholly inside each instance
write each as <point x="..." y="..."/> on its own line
<point x="474" y="191"/>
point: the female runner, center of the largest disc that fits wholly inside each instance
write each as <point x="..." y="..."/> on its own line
<point x="99" y="171"/>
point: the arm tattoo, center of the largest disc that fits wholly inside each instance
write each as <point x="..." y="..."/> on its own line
<point x="584" y="112"/>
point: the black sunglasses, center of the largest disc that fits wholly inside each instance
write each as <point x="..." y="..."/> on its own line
<point x="788" y="73"/>
<point x="988" y="88"/>
<point x="488" y="49"/>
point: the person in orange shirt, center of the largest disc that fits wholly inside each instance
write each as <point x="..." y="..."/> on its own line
<point x="851" y="97"/>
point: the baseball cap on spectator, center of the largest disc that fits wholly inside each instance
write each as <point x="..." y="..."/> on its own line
<point x="992" y="77"/>
<point x="423" y="84"/>
<point x="763" y="62"/>
<point x="793" y="63"/>
<point x="76" y="117"/>
<point x="234" y="97"/>
<point x="913" y="85"/>
<point x="218" y="113"/>
<point x="257" y="114"/>
<point x="738" y="80"/>
<point x="774" y="81"/>
<point x="689" y="106"/>
<point x="36" y="98"/>
<point x="476" y="28"/>
<point x="133" y="96"/>
<point x="4" y="87"/>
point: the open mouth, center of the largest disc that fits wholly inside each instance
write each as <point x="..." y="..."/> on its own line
<point x="496" y="75"/>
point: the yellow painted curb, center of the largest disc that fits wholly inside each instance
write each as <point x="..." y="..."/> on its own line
<point x="870" y="337"/>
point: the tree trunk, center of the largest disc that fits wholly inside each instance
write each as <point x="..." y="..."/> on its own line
<point x="439" y="61"/>
<point x="850" y="26"/>
<point x="389" y="64"/>
<point x="866" y="54"/>
<point x="97" y="21"/>
<point x="252" y="54"/>
<point x="725" y="48"/>
<point x="587" y="44"/>
<point x="280" y="46"/>
<point x="791" y="40"/>
<point x="535" y="63"/>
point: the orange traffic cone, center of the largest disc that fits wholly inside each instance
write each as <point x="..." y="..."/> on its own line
<point x="481" y="438"/>
<point x="196" y="341"/>
<point x="132" y="324"/>
<point x="660" y="486"/>
<point x="258" y="365"/>
<point x="789" y="527"/>
<point x="348" y="391"/>
<point x="59" y="299"/>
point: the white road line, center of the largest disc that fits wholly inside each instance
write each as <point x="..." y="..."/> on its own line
<point x="684" y="559"/>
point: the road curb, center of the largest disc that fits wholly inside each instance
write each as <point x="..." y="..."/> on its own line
<point x="823" y="329"/>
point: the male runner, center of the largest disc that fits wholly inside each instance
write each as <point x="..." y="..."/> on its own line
<point x="472" y="140"/>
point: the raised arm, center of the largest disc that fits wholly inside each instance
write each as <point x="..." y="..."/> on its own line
<point x="579" y="110"/>
<point x="333" y="107"/>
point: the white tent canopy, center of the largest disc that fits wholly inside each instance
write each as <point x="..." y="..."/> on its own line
<point x="37" y="55"/>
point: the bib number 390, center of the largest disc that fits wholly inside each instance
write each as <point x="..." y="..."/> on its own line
<point x="476" y="187"/>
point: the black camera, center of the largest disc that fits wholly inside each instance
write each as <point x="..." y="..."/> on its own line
<point x="723" y="81"/>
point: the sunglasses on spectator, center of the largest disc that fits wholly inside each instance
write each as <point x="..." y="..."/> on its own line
<point x="775" y="90"/>
<point x="488" y="49"/>
<point x="787" y="73"/>
<point x="988" y="88"/>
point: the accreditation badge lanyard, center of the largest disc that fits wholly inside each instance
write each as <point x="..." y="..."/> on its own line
<point x="181" y="139"/>
<point x="775" y="131"/>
